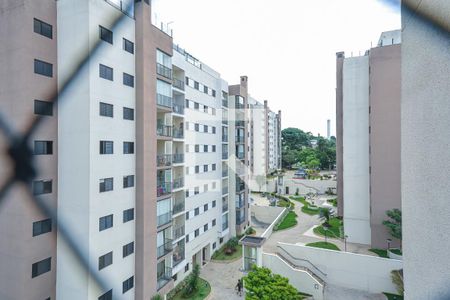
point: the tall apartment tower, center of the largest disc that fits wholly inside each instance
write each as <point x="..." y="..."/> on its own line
<point x="368" y="139"/>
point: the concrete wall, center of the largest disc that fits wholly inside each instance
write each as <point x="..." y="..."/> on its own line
<point x="339" y="134"/>
<point x="356" y="149"/>
<point x="349" y="270"/>
<point x="425" y="133"/>
<point x="265" y="214"/>
<point x="268" y="232"/>
<point x="299" y="279"/>
<point x="385" y="139"/>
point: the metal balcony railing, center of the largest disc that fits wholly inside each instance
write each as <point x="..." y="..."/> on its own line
<point x="178" y="183"/>
<point x="163" y="277"/>
<point x="163" y="188"/>
<point x="179" y="84"/>
<point x="164" y="160"/>
<point x="164" y="219"/>
<point x="178" y="232"/>
<point x="178" y="133"/>
<point x="164" y="100"/>
<point x="164" y="130"/>
<point x="178" y="108"/>
<point x="178" y="158"/>
<point x="178" y="207"/>
<point x="163" y="71"/>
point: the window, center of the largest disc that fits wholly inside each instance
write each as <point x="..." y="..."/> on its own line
<point x="106" y="34"/>
<point x="187" y="215"/>
<point x="205" y="168"/>
<point x="105" y="222"/>
<point x="186" y="268"/>
<point x="128" y="80"/>
<point x="197" y="169"/>
<point x="42" y="187"/>
<point x="196" y="85"/>
<point x="128" y="46"/>
<point x="106" y="296"/>
<point x="205" y="148"/>
<point x="128" y="147"/>
<point x="213" y="111"/>
<point x="205" y="89"/>
<point x="187" y="80"/>
<point x="128" y="215"/>
<point x="205" y="207"/>
<point x="41" y="227"/>
<point x="41" y="267"/>
<point x="196" y="190"/>
<point x="105" y="260"/>
<point x="221" y="240"/>
<point x="197" y="148"/>
<point x="106" y="184"/>
<point x="197" y="232"/>
<point x="43" y="147"/>
<point x="213" y="93"/>
<point x="196" y="106"/>
<point x="128" y="181"/>
<point x="106" y="147"/>
<point x="187" y="103"/>
<point x="43" y="68"/>
<point x="43" y="28"/>
<point x="214" y="167"/>
<point x="128" y="249"/>
<point x="106" y="110"/>
<point x="43" y="108"/>
<point x="197" y="211"/>
<point x="214" y="130"/>
<point x="205" y="128"/>
<point x="213" y="148"/>
<point x="213" y="222"/>
<point x="205" y="227"/>
<point x="187" y="238"/>
<point x="128" y="113"/>
<point x="127" y="284"/>
<point x="205" y="188"/>
<point x="214" y="203"/>
<point x="214" y="245"/>
<point x="197" y="127"/>
<point x="106" y="72"/>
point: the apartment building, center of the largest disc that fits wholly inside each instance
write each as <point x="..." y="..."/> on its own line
<point x="368" y="139"/>
<point x="264" y="133"/>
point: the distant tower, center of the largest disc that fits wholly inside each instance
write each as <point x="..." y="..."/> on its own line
<point x="328" y="128"/>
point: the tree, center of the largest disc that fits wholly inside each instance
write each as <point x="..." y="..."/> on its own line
<point x="325" y="216"/>
<point x="260" y="180"/>
<point x="294" y="138"/>
<point x="261" y="284"/>
<point x="289" y="158"/>
<point x="192" y="282"/>
<point x="394" y="224"/>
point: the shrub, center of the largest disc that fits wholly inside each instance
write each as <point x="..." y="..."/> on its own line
<point x="397" y="279"/>
<point x="250" y="231"/>
<point x="157" y="297"/>
<point x="192" y="282"/>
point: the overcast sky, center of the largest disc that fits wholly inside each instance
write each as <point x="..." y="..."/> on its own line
<point x="286" y="47"/>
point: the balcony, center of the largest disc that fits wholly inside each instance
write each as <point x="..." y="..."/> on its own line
<point x="179" y="84"/>
<point x="164" y="248"/>
<point x="239" y="106"/>
<point x="164" y="219"/>
<point x="164" y="130"/>
<point x="164" y="160"/>
<point x="178" y="255"/>
<point x="178" y="108"/>
<point x="239" y="202"/>
<point x="224" y="207"/>
<point x="239" y="219"/>
<point x="178" y="183"/>
<point x="178" y="207"/>
<point x="178" y="158"/>
<point x="240" y="123"/>
<point x="178" y="133"/>
<point x="240" y="139"/>
<point x="224" y="121"/>
<point x="224" y="138"/>
<point x="163" y="188"/>
<point x="224" y="155"/>
<point x="225" y="173"/>
<point x="163" y="100"/>
<point x="163" y="71"/>
<point x="224" y="190"/>
<point x="240" y="155"/>
<point x="224" y="102"/>
<point x="178" y="232"/>
<point x="163" y="277"/>
<point x="225" y="225"/>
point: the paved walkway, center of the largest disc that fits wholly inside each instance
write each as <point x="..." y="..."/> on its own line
<point x="223" y="278"/>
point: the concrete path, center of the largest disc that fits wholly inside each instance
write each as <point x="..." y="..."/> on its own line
<point x="223" y="278"/>
<point x="339" y="293"/>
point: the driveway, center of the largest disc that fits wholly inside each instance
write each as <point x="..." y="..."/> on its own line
<point x="223" y="278"/>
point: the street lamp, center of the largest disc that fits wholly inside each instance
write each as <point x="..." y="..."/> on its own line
<point x="388" y="243"/>
<point x="345" y="242"/>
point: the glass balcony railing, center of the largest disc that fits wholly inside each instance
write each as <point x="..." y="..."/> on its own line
<point x="178" y="207"/>
<point x="163" y="277"/>
<point x="178" y="108"/>
<point x="225" y="190"/>
<point x="224" y="207"/>
<point x="163" y="71"/>
<point x="239" y="203"/>
<point x="225" y="225"/>
<point x="240" y="139"/>
<point x="240" y="123"/>
<point x="239" y="219"/>
<point x="179" y="84"/>
<point x="163" y="188"/>
<point x="164" y="130"/>
<point x="178" y="255"/>
<point x="164" y="160"/>
<point x="164" y="219"/>
<point x="239" y="105"/>
<point x="225" y="173"/>
<point x="178" y="232"/>
<point x="224" y="138"/>
<point x="164" y="248"/>
<point x="224" y="155"/>
<point x="224" y="103"/>
<point x="178" y="183"/>
<point x="178" y="133"/>
<point x="178" y="158"/>
<point x="164" y="100"/>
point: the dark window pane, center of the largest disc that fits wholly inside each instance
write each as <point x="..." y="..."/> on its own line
<point x="128" y="46"/>
<point x="43" y="28"/>
<point x="41" y="227"/>
<point x="106" y="35"/>
<point x="106" y="110"/>
<point x="43" y="108"/>
<point x="106" y="184"/>
<point x="42" y="187"/>
<point x="41" y="267"/>
<point x="128" y="147"/>
<point x="128" y="215"/>
<point x="43" y="147"/>
<point x="106" y="296"/>
<point x="128" y="113"/>
<point x="128" y="284"/>
<point x="43" y="68"/>
<point x="128" y="249"/>
<point x="106" y="147"/>
<point x="105" y="222"/>
<point x="128" y="80"/>
<point x="106" y="72"/>
<point x="128" y="181"/>
<point x="105" y="260"/>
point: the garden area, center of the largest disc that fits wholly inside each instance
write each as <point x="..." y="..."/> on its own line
<point x="307" y="207"/>
<point x="324" y="245"/>
<point x="290" y="220"/>
<point x="333" y="230"/>
<point x="230" y="251"/>
<point x="193" y="288"/>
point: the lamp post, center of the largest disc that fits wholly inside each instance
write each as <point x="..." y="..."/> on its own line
<point x="388" y="244"/>
<point x="345" y="242"/>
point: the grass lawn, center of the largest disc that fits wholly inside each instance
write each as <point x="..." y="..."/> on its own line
<point x="288" y="221"/>
<point x="390" y="296"/>
<point x="333" y="231"/>
<point x="396" y="251"/>
<point x="307" y="208"/>
<point x="333" y="202"/>
<point x="202" y="292"/>
<point x="220" y="254"/>
<point x="324" y="245"/>
<point x="380" y="252"/>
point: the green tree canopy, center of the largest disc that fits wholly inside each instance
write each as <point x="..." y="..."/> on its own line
<point x="261" y="284"/>
<point x="394" y="224"/>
